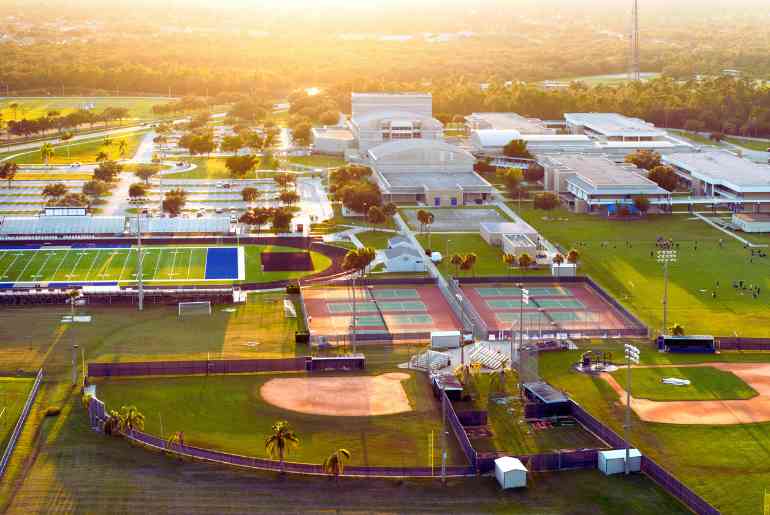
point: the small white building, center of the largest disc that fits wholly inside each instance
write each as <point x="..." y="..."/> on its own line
<point x="563" y="270"/>
<point x="614" y="461"/>
<point x="404" y="258"/>
<point x="494" y="232"/>
<point x="332" y="140"/>
<point x="510" y="472"/>
<point x="752" y="222"/>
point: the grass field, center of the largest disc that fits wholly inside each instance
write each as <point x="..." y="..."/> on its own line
<point x="210" y="168"/>
<point x="760" y="146"/>
<point x="375" y="239"/>
<point x="37" y="107"/>
<point x="694" y="137"/>
<point x="318" y="161"/>
<point x="625" y="267"/>
<point x="725" y="464"/>
<point x="160" y="264"/>
<point x="13" y="395"/>
<point x="706" y="384"/>
<point x="86" y="151"/>
<point x="227" y="413"/>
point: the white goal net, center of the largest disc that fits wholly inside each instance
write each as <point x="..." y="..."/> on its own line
<point x="194" y="308"/>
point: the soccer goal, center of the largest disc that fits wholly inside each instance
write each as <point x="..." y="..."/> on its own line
<point x="194" y="308"/>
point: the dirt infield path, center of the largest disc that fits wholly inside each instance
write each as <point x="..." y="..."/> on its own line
<point x="360" y="396"/>
<point x="727" y="412"/>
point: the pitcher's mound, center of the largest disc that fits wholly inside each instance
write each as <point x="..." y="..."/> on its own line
<point x="359" y="396"/>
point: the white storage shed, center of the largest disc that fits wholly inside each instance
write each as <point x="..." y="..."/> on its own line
<point x="510" y="472"/>
<point x="613" y="462"/>
<point x="445" y="339"/>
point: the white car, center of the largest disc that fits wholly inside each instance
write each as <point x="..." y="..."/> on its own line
<point x="436" y="257"/>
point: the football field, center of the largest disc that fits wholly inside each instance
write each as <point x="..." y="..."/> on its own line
<point x="110" y="265"/>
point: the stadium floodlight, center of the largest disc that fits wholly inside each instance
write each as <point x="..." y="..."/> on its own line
<point x="665" y="256"/>
<point x="632" y="356"/>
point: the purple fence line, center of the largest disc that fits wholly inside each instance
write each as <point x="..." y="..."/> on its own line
<point x="11" y="445"/>
<point x="665" y="479"/>
<point x="732" y="343"/>
<point x="227" y="366"/>
<point x="549" y="461"/>
<point x="459" y="431"/>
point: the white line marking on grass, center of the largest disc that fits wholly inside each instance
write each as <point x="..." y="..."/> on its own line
<point x="93" y="263"/>
<point x="125" y="262"/>
<point x="157" y="265"/>
<point x="5" y="272"/>
<point x="26" y="266"/>
<point x="77" y="262"/>
<point x="53" y="277"/>
<point x="189" y="262"/>
<point x="173" y="264"/>
<point x="39" y="273"/>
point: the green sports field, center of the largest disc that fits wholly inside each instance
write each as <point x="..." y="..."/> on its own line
<point x="86" y="151"/>
<point x="706" y="384"/>
<point x="36" y="107"/>
<point x="13" y="395"/>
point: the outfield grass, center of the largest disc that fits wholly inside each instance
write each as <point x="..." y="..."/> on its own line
<point x="725" y="464"/>
<point x="625" y="267"/>
<point x="760" y="146"/>
<point x="227" y="413"/>
<point x="13" y="395"/>
<point x="375" y="239"/>
<point x="37" y="107"/>
<point x="86" y="151"/>
<point x="706" y="384"/>
<point x="254" y="272"/>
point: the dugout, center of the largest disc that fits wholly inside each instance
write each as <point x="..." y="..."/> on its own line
<point x="449" y="384"/>
<point x="694" y="343"/>
<point x="336" y="363"/>
<point x="545" y="401"/>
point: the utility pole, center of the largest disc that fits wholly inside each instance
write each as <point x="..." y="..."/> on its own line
<point x="666" y="254"/>
<point x="632" y="356"/>
<point x="633" y="72"/>
<point x="443" y="435"/>
<point x="524" y="299"/>
<point x="353" y="324"/>
<point x="74" y="364"/>
<point x="139" y="258"/>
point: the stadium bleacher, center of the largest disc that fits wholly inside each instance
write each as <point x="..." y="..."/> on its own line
<point x="62" y="226"/>
<point x="218" y="225"/>
<point x="489" y="359"/>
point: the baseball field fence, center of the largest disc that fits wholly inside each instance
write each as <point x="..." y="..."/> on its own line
<point x="8" y="452"/>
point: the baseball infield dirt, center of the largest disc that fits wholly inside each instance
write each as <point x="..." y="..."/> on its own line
<point x="358" y="396"/>
<point x="727" y="412"/>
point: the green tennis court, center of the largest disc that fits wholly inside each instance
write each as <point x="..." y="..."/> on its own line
<point x="511" y="291"/>
<point x="370" y="321"/>
<point x="409" y="319"/>
<point x="529" y="317"/>
<point x="371" y="307"/>
<point x="396" y="293"/>
<point x="495" y="304"/>
<point x="560" y="303"/>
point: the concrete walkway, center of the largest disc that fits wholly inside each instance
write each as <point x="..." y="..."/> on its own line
<point x="729" y="233"/>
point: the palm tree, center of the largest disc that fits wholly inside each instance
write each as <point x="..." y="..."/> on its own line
<point x="281" y="441"/>
<point x="175" y="440"/>
<point x="107" y="141"/>
<point x="510" y="261"/>
<point x="525" y="261"/>
<point x="112" y="424"/>
<point x="469" y="261"/>
<point x="72" y="296"/>
<point x="558" y="259"/>
<point x="122" y="147"/>
<point x="8" y="172"/>
<point x="46" y="152"/>
<point x="335" y="463"/>
<point x="102" y="156"/>
<point x="457" y="261"/>
<point x="428" y="221"/>
<point x="677" y="330"/>
<point x="131" y="419"/>
<point x="573" y="256"/>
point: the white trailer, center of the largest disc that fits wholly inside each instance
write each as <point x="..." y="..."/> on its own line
<point x="510" y="472"/>
<point x="445" y="339"/>
<point x="613" y="462"/>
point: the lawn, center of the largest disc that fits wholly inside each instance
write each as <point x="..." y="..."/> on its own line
<point x="13" y="395"/>
<point x="725" y="464"/>
<point x="359" y="221"/>
<point x="86" y="151"/>
<point x="694" y="137"/>
<point x="227" y="413"/>
<point x="620" y="257"/>
<point x="318" y="161"/>
<point x="37" y="107"/>
<point x="212" y="168"/>
<point x="760" y="146"/>
<point x="609" y="79"/>
<point x="706" y="384"/>
<point x="375" y="239"/>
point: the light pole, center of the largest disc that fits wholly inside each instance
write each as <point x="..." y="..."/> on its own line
<point x="139" y="258"/>
<point x="665" y="256"/>
<point x="632" y="356"/>
<point x="74" y="364"/>
<point x="524" y="299"/>
<point x="446" y="251"/>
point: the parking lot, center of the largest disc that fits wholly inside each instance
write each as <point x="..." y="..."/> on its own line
<point x="456" y="220"/>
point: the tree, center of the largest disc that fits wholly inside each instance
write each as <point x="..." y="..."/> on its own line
<point x="8" y="172"/>
<point x="102" y="156"/>
<point x="677" y="330"/>
<point x="146" y="172"/>
<point x="642" y="204"/>
<point x="288" y="197"/>
<point x="131" y="419"/>
<point x="66" y="136"/>
<point x="268" y="162"/>
<point x="250" y="194"/>
<point x="137" y="190"/>
<point x="240" y="166"/>
<point x="468" y="262"/>
<point x="284" y="179"/>
<point x="511" y="178"/>
<point x="334" y="464"/>
<point x="174" y="201"/>
<point x="664" y="176"/>
<point x="358" y="259"/>
<point x="517" y="148"/>
<point x="375" y="216"/>
<point x="390" y="209"/>
<point x="644" y="159"/>
<point x="301" y="133"/>
<point x="96" y="188"/>
<point x="281" y="441"/>
<point x="73" y="200"/>
<point x="231" y="144"/>
<point x="175" y="440"/>
<point x="525" y="261"/>
<point x="47" y="152"/>
<point x="107" y="171"/>
<point x="546" y="200"/>
<point x="716" y="136"/>
<point x="122" y="148"/>
<point x="557" y="260"/>
<point x="534" y="173"/>
<point x="256" y="217"/>
<point x="281" y="219"/>
<point x="573" y="256"/>
<point x="509" y="260"/>
<point x="329" y="117"/>
<point x="359" y="196"/>
<point x="53" y="192"/>
<point x="456" y="260"/>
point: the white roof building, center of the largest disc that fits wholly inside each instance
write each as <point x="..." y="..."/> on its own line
<point x="612" y="126"/>
<point x="492" y="141"/>
<point x="719" y="173"/>
<point x="506" y="121"/>
<point x="332" y="140"/>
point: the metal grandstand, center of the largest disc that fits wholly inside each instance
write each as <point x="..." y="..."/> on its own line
<point x="219" y="225"/>
<point x="34" y="226"/>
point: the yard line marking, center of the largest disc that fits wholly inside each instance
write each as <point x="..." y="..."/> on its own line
<point x="125" y="262"/>
<point x="189" y="262"/>
<point x="39" y="273"/>
<point x="5" y="272"/>
<point x="157" y="265"/>
<point x="173" y="264"/>
<point x="6" y="254"/>
<point x="53" y="277"/>
<point x="77" y="262"/>
<point x="26" y="266"/>
<point x="90" y="269"/>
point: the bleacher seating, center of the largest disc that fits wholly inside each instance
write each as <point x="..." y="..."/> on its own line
<point x="217" y="225"/>
<point x="62" y="225"/>
<point x="489" y="359"/>
<point x="436" y="361"/>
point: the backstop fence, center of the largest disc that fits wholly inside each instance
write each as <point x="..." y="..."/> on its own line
<point x="459" y="432"/>
<point x="20" y="423"/>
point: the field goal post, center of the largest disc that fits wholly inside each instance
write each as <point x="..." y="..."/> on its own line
<point x="196" y="308"/>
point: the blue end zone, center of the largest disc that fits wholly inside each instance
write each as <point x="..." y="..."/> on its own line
<point x="222" y="263"/>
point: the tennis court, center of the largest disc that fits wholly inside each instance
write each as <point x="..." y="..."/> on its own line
<point x="380" y="309"/>
<point x="573" y="307"/>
